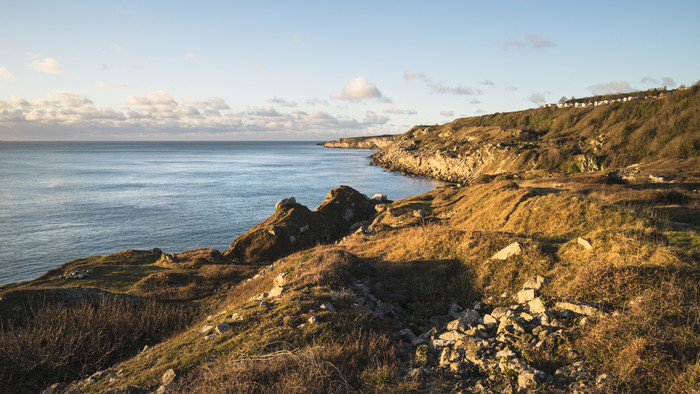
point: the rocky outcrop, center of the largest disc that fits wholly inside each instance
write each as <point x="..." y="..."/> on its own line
<point x="294" y="227"/>
<point x="374" y="143"/>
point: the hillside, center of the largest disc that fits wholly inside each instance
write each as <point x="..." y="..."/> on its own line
<point x="551" y="140"/>
<point x="541" y="282"/>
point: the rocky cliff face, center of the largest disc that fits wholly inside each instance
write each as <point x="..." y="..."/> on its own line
<point x="373" y="143"/>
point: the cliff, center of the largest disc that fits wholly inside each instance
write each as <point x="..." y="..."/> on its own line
<point x="373" y="143"/>
<point x="550" y="140"/>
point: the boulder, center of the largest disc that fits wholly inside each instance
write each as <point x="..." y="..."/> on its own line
<point x="168" y="377"/>
<point x="275" y="291"/>
<point x="328" y="307"/>
<point x="285" y="202"/>
<point x="511" y="250"/>
<point x="379" y="198"/>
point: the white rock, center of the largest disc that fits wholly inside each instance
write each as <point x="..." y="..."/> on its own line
<point x="328" y="306"/>
<point x="313" y="320"/>
<point x="580" y="308"/>
<point x="379" y="197"/>
<point x="488" y="319"/>
<point x="275" y="291"/>
<point x="236" y="317"/>
<point x="535" y="283"/>
<point x="451" y="336"/>
<point x="470" y="316"/>
<point x="204" y="329"/>
<point x="585" y="243"/>
<point x="524" y="296"/>
<point x="168" y="377"/>
<point x="536" y="306"/>
<point x="510" y="250"/>
<point x="285" y="202"/>
<point x="279" y="280"/>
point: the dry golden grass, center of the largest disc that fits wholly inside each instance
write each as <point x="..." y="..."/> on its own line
<point x="51" y="344"/>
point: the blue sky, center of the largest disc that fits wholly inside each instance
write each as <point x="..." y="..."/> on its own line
<point x="274" y="70"/>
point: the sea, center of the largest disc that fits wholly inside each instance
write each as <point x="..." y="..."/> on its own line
<point x="60" y="201"/>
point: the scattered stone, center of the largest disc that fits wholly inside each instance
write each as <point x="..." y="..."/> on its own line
<point x="579" y="307"/>
<point x="513" y="249"/>
<point x="285" y="202"/>
<point x="657" y="179"/>
<point x="205" y="329"/>
<point x="536" y="306"/>
<point x="313" y="320"/>
<point x="528" y="380"/>
<point x="236" y="317"/>
<point x="210" y="336"/>
<point x="419" y="213"/>
<point x="168" y="377"/>
<point x="275" y="292"/>
<point x="77" y="273"/>
<point x="535" y="283"/>
<point x="490" y="320"/>
<point x="585" y="243"/>
<point x="223" y="327"/>
<point x="525" y="295"/>
<point x="328" y="306"/>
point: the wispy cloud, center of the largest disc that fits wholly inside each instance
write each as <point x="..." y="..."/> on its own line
<point x="531" y="40"/>
<point x="259" y="67"/>
<point x="611" y="88"/>
<point x="487" y="82"/>
<point x="398" y="111"/>
<point x="448" y="114"/>
<point x="537" y="98"/>
<point x="5" y="73"/>
<point x="47" y="65"/>
<point x="441" y="87"/>
<point x="191" y="56"/>
<point x="280" y="101"/>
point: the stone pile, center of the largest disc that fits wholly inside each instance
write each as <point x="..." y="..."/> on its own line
<point x="487" y="349"/>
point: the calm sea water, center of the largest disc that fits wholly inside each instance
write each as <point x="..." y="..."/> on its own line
<point x="61" y="201"/>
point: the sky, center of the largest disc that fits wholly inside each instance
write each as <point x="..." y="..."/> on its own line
<point x="319" y="70"/>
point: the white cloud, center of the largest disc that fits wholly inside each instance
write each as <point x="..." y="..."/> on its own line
<point x="487" y="82"/>
<point x="537" y="98"/>
<point x="649" y="80"/>
<point x="5" y="73"/>
<point x="191" y="56"/>
<point x="447" y="113"/>
<point x="440" y="87"/>
<point x="397" y="111"/>
<point x="282" y="102"/>
<point x="611" y="88"/>
<point x="357" y="90"/>
<point x="411" y="75"/>
<point x="511" y="89"/>
<point x="515" y="43"/>
<point x="153" y="98"/>
<point x="259" y="67"/>
<point x="47" y="65"/>
<point x="68" y="98"/>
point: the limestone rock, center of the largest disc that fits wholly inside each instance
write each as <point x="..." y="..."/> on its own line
<point x="285" y="202"/>
<point x="205" y="329"/>
<point x="313" y="320"/>
<point x="585" y="243"/>
<point x="578" y="307"/>
<point x="379" y="197"/>
<point x="525" y="295"/>
<point x="536" y="305"/>
<point x="535" y="283"/>
<point x="328" y="306"/>
<point x="511" y="250"/>
<point x="168" y="377"/>
<point x="275" y="292"/>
